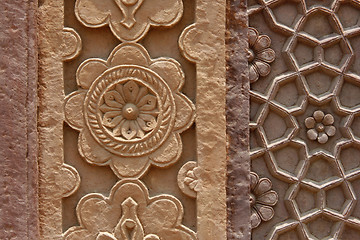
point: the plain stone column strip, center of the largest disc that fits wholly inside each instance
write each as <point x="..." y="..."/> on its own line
<point x="18" y="145"/>
<point x="210" y="120"/>
<point x="237" y="118"/>
<point x="50" y="117"/>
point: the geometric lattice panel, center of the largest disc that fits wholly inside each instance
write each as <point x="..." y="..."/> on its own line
<point x="305" y="107"/>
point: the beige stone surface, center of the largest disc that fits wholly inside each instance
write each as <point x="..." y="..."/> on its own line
<point x="117" y="139"/>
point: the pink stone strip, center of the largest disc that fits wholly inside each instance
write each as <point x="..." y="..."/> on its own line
<point x="237" y="118"/>
<point x="18" y="144"/>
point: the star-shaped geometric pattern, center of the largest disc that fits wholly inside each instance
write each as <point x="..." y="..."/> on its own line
<point x="319" y="56"/>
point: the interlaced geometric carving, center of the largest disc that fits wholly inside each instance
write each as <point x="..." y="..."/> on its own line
<point x="303" y="120"/>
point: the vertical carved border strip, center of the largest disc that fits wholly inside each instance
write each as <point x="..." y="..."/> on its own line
<point x="237" y="121"/>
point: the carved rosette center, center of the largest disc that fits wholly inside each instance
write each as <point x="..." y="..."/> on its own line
<point x="130" y="111"/>
<point x="320" y="127"/>
<point x="123" y="112"/>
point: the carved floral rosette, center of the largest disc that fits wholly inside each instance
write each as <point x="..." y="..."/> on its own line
<point x="260" y="55"/>
<point x="262" y="200"/>
<point x="129" y="213"/>
<point x="129" y="110"/>
<point x="189" y="179"/>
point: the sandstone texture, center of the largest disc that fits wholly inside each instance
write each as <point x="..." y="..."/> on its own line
<point x="18" y="145"/>
<point x="132" y="124"/>
<point x="237" y="121"/>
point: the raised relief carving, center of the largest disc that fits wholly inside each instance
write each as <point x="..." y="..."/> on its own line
<point x="129" y="214"/>
<point x="130" y="111"/>
<point x="69" y="180"/>
<point x="320" y="126"/>
<point x="129" y="20"/>
<point x="303" y="118"/>
<point x="262" y="199"/>
<point x="190" y="42"/>
<point x="189" y="179"/>
<point x="260" y="55"/>
<point x="72" y="44"/>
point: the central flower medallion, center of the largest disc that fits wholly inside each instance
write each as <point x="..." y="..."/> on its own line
<point x="130" y="110"/>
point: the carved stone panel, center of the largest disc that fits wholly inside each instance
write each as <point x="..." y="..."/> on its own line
<point x="304" y="69"/>
<point x="132" y="119"/>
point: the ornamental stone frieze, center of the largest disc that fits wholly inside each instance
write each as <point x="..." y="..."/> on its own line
<point x="132" y="141"/>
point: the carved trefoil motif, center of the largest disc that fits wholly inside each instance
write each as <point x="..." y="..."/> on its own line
<point x="123" y="120"/>
<point x="304" y="131"/>
<point x="129" y="213"/>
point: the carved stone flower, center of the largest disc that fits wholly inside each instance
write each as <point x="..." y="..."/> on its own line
<point x="129" y="213"/>
<point x="129" y="111"/>
<point x="262" y="199"/>
<point x="320" y="127"/>
<point x="259" y="55"/>
<point x="129" y="20"/>
<point x="189" y="179"/>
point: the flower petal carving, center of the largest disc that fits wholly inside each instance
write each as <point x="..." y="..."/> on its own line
<point x="260" y="55"/>
<point x="129" y="20"/>
<point x="189" y="179"/>
<point x="129" y="110"/>
<point x="320" y="127"/>
<point x="262" y="199"/>
<point x="129" y="211"/>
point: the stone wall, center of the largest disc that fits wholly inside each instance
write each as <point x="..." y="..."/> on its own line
<point x="180" y="119"/>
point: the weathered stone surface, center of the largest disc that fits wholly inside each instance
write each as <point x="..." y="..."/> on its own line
<point x="18" y="145"/>
<point x="237" y="122"/>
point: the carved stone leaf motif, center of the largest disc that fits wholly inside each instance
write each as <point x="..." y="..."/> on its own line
<point x="303" y="120"/>
<point x="129" y="214"/>
<point x="129" y="111"/>
<point x="129" y="20"/>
